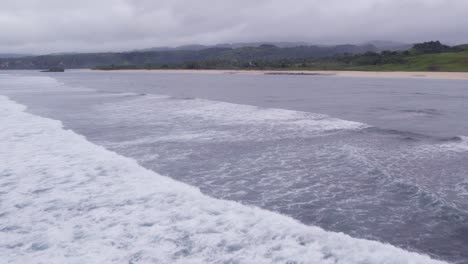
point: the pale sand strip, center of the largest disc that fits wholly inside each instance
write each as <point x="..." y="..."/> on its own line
<point x="428" y="75"/>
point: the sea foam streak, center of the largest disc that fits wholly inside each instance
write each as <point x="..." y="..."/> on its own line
<point x="66" y="200"/>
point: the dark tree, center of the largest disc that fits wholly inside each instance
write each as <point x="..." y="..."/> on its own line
<point x="431" y="47"/>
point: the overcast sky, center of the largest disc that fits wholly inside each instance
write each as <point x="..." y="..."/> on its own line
<point x="43" y="26"/>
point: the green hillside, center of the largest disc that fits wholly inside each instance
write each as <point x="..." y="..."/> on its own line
<point x="204" y="58"/>
<point x="427" y="56"/>
<point x="446" y="61"/>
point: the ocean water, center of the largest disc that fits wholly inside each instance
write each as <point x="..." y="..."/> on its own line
<point x="376" y="159"/>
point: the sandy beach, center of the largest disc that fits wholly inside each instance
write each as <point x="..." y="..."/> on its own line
<point x="368" y="74"/>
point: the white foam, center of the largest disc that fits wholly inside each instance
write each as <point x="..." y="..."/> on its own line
<point x="235" y="113"/>
<point x="206" y="120"/>
<point x="459" y="146"/>
<point x="66" y="200"/>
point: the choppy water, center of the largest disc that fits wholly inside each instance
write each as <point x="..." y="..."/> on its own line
<point x="382" y="159"/>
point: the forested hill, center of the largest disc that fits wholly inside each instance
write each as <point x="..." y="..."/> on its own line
<point x="427" y="56"/>
<point x="229" y="56"/>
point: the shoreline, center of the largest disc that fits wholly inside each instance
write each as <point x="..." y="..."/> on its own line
<point x="364" y="74"/>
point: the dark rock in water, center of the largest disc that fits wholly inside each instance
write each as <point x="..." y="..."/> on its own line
<point x="54" y="69"/>
<point x="296" y="73"/>
<point x="452" y="139"/>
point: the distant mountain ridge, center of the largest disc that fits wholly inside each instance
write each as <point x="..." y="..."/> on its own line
<point x="379" y="45"/>
<point x="382" y="45"/>
<point x="426" y="56"/>
<point x="229" y="45"/>
<point x="239" y="53"/>
<point x="13" y="55"/>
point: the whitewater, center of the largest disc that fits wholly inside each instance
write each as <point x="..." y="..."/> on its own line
<point x="66" y="200"/>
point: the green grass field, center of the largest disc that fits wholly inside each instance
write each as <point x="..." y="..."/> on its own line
<point x="446" y="62"/>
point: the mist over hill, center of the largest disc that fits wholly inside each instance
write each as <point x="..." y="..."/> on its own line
<point x="238" y="53"/>
<point x="13" y="55"/>
<point x="378" y="44"/>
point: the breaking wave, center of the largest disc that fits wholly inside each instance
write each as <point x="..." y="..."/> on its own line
<point x="66" y="200"/>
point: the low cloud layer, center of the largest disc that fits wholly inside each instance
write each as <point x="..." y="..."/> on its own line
<point x="43" y="26"/>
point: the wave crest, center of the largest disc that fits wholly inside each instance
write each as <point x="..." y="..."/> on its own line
<point x="65" y="199"/>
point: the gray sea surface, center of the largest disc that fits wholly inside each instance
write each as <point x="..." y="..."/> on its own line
<point x="383" y="159"/>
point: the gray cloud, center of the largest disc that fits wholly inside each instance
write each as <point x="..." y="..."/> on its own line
<point x="40" y="26"/>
